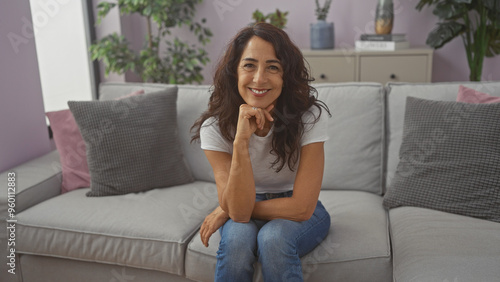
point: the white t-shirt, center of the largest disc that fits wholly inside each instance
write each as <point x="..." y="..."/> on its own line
<point x="267" y="180"/>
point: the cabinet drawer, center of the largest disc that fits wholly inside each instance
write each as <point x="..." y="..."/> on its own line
<point x="332" y="69"/>
<point x="393" y="68"/>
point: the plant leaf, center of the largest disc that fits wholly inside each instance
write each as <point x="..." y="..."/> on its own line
<point x="493" y="47"/>
<point x="492" y="5"/>
<point x="449" y="10"/>
<point x="444" y="33"/>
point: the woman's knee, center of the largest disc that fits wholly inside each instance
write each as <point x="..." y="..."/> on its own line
<point x="237" y="238"/>
<point x="275" y="237"/>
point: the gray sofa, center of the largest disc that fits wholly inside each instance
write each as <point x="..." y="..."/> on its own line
<point x="153" y="235"/>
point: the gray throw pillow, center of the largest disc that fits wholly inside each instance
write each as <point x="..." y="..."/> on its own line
<point x="449" y="159"/>
<point x="132" y="144"/>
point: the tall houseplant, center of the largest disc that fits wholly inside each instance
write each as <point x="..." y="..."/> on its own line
<point x="477" y="22"/>
<point x="177" y="62"/>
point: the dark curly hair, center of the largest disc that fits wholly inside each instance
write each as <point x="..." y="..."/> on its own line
<point x="297" y="96"/>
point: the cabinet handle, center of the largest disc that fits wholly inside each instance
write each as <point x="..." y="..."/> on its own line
<point x="393" y="76"/>
<point x="322" y="76"/>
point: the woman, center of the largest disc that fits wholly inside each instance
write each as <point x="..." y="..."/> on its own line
<point x="263" y="135"/>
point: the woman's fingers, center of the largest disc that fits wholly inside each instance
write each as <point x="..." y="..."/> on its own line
<point x="206" y="230"/>
<point x="262" y="114"/>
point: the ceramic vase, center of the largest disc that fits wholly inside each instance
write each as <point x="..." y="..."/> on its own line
<point x="384" y="17"/>
<point x="322" y="35"/>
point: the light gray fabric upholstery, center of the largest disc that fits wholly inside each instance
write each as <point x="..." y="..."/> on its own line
<point x="356" y="249"/>
<point x="132" y="143"/>
<point x="50" y="269"/>
<point x="145" y="230"/>
<point x="36" y="181"/>
<point x="353" y="154"/>
<point x="115" y="90"/>
<point x="192" y="101"/>
<point x="396" y="101"/>
<point x="434" y="246"/>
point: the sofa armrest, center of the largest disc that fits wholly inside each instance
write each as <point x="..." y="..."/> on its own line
<point x="35" y="181"/>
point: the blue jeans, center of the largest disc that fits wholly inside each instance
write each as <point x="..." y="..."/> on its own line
<point x="279" y="244"/>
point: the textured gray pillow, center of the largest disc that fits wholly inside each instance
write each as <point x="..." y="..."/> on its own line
<point x="449" y="159"/>
<point x="132" y="144"/>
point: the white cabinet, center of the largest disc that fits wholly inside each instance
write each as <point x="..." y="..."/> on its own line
<point x="343" y="65"/>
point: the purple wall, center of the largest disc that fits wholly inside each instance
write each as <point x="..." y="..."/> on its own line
<point x="351" y="18"/>
<point x="24" y="133"/>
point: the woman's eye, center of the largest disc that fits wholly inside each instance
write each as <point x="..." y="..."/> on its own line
<point x="248" y="66"/>
<point x="274" y="69"/>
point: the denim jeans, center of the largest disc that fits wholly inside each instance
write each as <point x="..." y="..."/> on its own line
<point x="277" y="244"/>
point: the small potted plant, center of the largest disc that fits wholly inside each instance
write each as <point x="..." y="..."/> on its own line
<point x="322" y="32"/>
<point x="278" y="18"/>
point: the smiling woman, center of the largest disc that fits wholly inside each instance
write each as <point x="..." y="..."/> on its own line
<point x="259" y="74"/>
<point x="263" y="135"/>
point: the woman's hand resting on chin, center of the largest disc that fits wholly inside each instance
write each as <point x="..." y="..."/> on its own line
<point x="252" y="119"/>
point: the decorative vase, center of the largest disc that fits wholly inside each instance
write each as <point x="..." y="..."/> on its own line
<point x="384" y="17"/>
<point x="322" y="35"/>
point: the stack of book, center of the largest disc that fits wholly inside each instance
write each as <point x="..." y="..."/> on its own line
<point x="382" y="42"/>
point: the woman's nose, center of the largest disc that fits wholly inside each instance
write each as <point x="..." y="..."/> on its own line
<point x="260" y="76"/>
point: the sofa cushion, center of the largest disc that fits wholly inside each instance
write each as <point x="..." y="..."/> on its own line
<point x="114" y="90"/>
<point x="396" y="101"/>
<point x="192" y="101"/>
<point x="430" y="245"/>
<point x="354" y="152"/>
<point x="71" y="147"/>
<point x="147" y="230"/>
<point x="469" y="95"/>
<point x="132" y="143"/>
<point x="356" y="249"/>
<point x="449" y="159"/>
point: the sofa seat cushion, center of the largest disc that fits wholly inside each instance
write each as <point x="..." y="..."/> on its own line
<point x="147" y="230"/>
<point x="431" y="245"/>
<point x="356" y="249"/>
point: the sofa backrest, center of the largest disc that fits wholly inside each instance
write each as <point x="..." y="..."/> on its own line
<point x="354" y="151"/>
<point x="396" y="103"/>
<point x="192" y="101"/>
<point x="358" y="155"/>
<point x="353" y="154"/>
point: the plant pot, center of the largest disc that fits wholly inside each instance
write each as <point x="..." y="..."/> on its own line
<point x="322" y="35"/>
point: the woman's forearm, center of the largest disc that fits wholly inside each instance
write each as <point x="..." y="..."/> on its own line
<point x="238" y="198"/>
<point x="284" y="208"/>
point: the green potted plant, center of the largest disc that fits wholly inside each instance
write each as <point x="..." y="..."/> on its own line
<point x="278" y="18"/>
<point x="476" y="22"/>
<point x="322" y="32"/>
<point x="176" y="63"/>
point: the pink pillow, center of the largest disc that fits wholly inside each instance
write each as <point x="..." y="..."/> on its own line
<point x="72" y="149"/>
<point x="471" y="96"/>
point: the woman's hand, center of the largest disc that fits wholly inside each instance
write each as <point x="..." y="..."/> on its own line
<point x="250" y="119"/>
<point x="212" y="223"/>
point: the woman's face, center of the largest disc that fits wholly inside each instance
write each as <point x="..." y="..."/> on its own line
<point x="260" y="74"/>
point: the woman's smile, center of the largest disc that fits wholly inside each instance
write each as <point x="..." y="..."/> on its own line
<point x="260" y="74"/>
